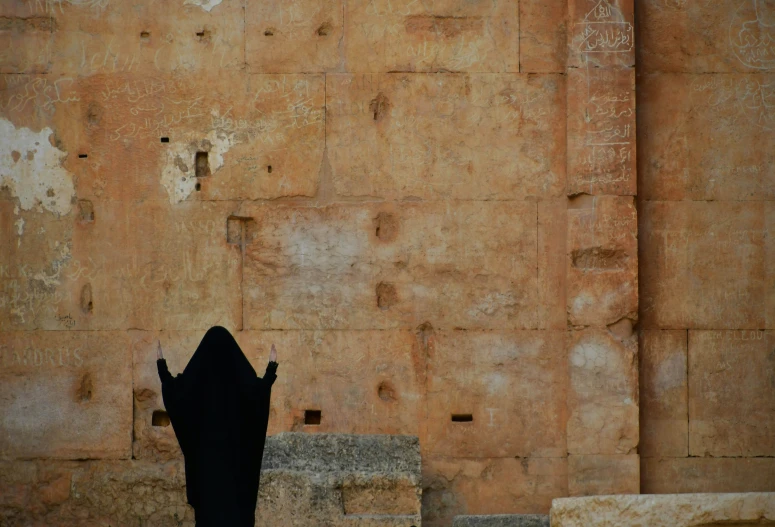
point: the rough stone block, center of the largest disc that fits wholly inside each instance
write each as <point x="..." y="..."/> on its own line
<point x="455" y="487"/>
<point x="289" y="36"/>
<point x="601" y="131"/>
<point x="683" y="510"/>
<point x="543" y="39"/>
<point x="404" y="35"/>
<point x="149" y="38"/>
<point x="602" y="261"/>
<point x="593" y="475"/>
<point x="601" y="33"/>
<point x="497" y="395"/>
<point x="477" y="136"/>
<point x="65" y="394"/>
<point x="25" y="38"/>
<point x="664" y="411"/>
<point x="501" y="520"/>
<point x="603" y="393"/>
<point x="703" y="265"/>
<point x="686" y="122"/>
<point x="726" y="35"/>
<point x="695" y="474"/>
<point x="367" y="266"/>
<point x="731" y="396"/>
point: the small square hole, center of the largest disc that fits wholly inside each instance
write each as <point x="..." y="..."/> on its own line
<point x="311" y="417"/>
<point x="462" y="418"/>
<point x="165" y="139"/>
<point x="269" y="169"/>
<point x="198" y="186"/>
<point x="145" y="36"/>
<point x="160" y="418"/>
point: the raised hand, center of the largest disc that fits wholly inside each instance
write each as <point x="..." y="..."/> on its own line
<point x="273" y="354"/>
<point x="159" y="354"/>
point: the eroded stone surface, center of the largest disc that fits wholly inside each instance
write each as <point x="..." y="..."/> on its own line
<point x="731" y="400"/>
<point x="543" y="39"/>
<point x="65" y="394"/>
<point x="681" y="510"/>
<point x="706" y="474"/>
<point x="477" y="136"/>
<point x="501" y="520"/>
<point x="593" y="475"/>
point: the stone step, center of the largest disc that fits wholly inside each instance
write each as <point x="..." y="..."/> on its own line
<point x="501" y="520"/>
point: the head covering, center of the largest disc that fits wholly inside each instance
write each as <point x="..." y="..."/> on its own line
<point x="219" y="410"/>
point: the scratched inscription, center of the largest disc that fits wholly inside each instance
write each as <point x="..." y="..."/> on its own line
<point x="605" y="30"/>
<point x="752" y="34"/>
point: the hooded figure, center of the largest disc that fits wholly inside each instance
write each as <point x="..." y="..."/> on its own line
<point x="219" y="410"/>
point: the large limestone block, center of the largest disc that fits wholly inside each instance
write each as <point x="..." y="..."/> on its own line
<point x="601" y="33"/>
<point x="706" y="474"/>
<point x="292" y="36"/>
<point x="365" y="266"/>
<point x="543" y="39"/>
<point x="501" y="520"/>
<point x="602" y="261"/>
<point x="65" y="394"/>
<point x="664" y="392"/>
<point x="603" y="393"/>
<point x="118" y="265"/>
<point x="593" y="475"/>
<point x="124" y="36"/>
<point x="731" y="396"/>
<point x="512" y="386"/>
<point x="441" y="35"/>
<point x="25" y="37"/>
<point x="360" y="382"/>
<point x="725" y="35"/>
<point x="476" y="136"/>
<point x="458" y="486"/>
<point x="671" y="510"/>
<point x="703" y="265"/>
<point x="686" y="122"/>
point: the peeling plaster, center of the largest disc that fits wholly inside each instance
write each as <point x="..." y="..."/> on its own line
<point x="32" y="169"/>
<point x="207" y="5"/>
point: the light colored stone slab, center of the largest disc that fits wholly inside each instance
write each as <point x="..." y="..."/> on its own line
<point x="670" y="510"/>
<point x="603" y="393"/>
<point x="367" y="266"/>
<point x="688" y="120"/>
<point x="602" y="261"/>
<point x="664" y="392"/>
<point x="403" y="35"/>
<point x="514" y="386"/>
<point x="705" y="474"/>
<point x="703" y="265"/>
<point x="65" y="394"/>
<point x="436" y="136"/>
<point x="731" y="400"/>
<point x="455" y="487"/>
<point x="593" y="475"/>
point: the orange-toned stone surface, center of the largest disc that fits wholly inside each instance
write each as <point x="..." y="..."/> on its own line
<point x="707" y="474"/>
<point x="65" y="394"/>
<point x="543" y="35"/>
<point x="611" y="474"/>
<point x="664" y="392"/>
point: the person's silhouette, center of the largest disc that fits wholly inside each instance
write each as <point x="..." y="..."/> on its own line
<point x="219" y="410"/>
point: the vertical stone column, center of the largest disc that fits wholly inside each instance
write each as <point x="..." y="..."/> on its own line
<point x="602" y="250"/>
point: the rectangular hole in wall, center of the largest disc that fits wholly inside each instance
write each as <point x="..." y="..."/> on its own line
<point x="82" y="156"/>
<point x="160" y="418"/>
<point x="311" y="417"/>
<point x="202" y="164"/>
<point x="462" y="418"/>
<point x="165" y="139"/>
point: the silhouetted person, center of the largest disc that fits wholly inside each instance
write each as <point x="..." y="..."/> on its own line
<point x="219" y="410"/>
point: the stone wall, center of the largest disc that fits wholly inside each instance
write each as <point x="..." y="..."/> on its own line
<point x="706" y="144"/>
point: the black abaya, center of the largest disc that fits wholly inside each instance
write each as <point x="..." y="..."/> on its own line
<point x="219" y="410"/>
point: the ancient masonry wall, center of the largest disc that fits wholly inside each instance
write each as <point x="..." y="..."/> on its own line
<point x="706" y="142"/>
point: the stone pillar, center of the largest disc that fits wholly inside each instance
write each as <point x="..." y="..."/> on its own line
<point x="602" y="250"/>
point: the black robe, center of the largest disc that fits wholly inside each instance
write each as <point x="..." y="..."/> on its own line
<point x="219" y="410"/>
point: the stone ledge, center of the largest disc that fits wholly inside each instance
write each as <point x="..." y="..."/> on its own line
<point x="501" y="520"/>
<point x="665" y="510"/>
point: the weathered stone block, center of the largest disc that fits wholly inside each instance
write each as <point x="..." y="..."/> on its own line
<point x="501" y="520"/>
<point x="288" y="36"/>
<point x="682" y="510"/>
<point x="512" y="387"/>
<point x="703" y="265"/>
<point x="543" y="38"/>
<point x="727" y="35"/>
<point x="769" y="288"/>
<point x="385" y="35"/>
<point x="477" y="136"/>
<point x="601" y="33"/>
<point x="731" y="400"/>
<point x="490" y="486"/>
<point x="664" y="411"/>
<point x="25" y="38"/>
<point x="603" y="393"/>
<point x="686" y="122"/>
<point x="592" y="475"/>
<point x="602" y="261"/>
<point x="364" y="266"/>
<point x="65" y="394"/>
<point x="705" y="474"/>
<point x="601" y="131"/>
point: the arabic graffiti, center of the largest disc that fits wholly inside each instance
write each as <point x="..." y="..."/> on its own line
<point x="605" y="30"/>
<point x="752" y="34"/>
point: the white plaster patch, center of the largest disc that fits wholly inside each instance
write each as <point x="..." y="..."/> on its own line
<point x="179" y="170"/>
<point x="207" y="5"/>
<point x="19" y="226"/>
<point x="32" y="169"/>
